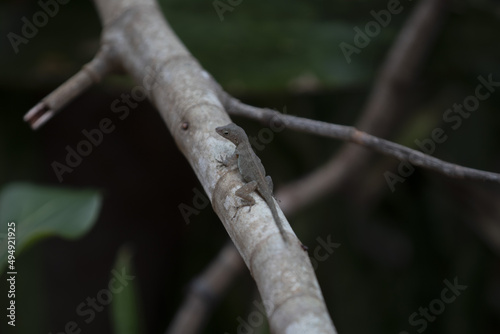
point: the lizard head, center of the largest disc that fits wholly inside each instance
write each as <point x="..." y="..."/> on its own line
<point x="231" y="132"/>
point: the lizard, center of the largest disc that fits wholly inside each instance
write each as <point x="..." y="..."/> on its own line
<point x="252" y="171"/>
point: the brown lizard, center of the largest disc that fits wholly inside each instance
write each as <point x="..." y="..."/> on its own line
<point x="251" y="170"/>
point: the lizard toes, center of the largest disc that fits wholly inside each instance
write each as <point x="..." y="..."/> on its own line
<point x="237" y="211"/>
<point x="220" y="160"/>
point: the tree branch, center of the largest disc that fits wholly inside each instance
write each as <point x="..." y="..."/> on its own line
<point x="183" y="93"/>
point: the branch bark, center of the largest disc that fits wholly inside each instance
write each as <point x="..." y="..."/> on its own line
<point x="186" y="101"/>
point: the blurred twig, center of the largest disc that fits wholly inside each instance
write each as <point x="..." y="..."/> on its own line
<point x="91" y="73"/>
<point x="205" y="291"/>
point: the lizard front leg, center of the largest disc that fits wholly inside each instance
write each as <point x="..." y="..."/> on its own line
<point x="228" y="161"/>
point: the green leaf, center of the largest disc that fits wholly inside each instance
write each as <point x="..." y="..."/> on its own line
<point x="40" y="212"/>
<point x="125" y="306"/>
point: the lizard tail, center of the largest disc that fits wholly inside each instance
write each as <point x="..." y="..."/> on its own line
<point x="272" y="205"/>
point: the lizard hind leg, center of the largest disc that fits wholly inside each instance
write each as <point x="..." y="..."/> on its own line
<point x="244" y="194"/>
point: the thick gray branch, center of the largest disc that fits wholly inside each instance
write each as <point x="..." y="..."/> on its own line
<point x="138" y="40"/>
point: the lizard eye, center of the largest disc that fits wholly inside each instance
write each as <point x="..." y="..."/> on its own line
<point x="226" y="132"/>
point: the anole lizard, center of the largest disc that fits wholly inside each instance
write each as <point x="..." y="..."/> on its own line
<point x="251" y="170"/>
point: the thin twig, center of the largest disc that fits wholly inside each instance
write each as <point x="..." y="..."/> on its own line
<point x="351" y="134"/>
<point x="90" y="74"/>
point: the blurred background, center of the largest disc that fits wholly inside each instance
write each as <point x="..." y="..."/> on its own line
<point x="396" y="247"/>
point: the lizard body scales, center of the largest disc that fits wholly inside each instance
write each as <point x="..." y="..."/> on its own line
<point x="252" y="171"/>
